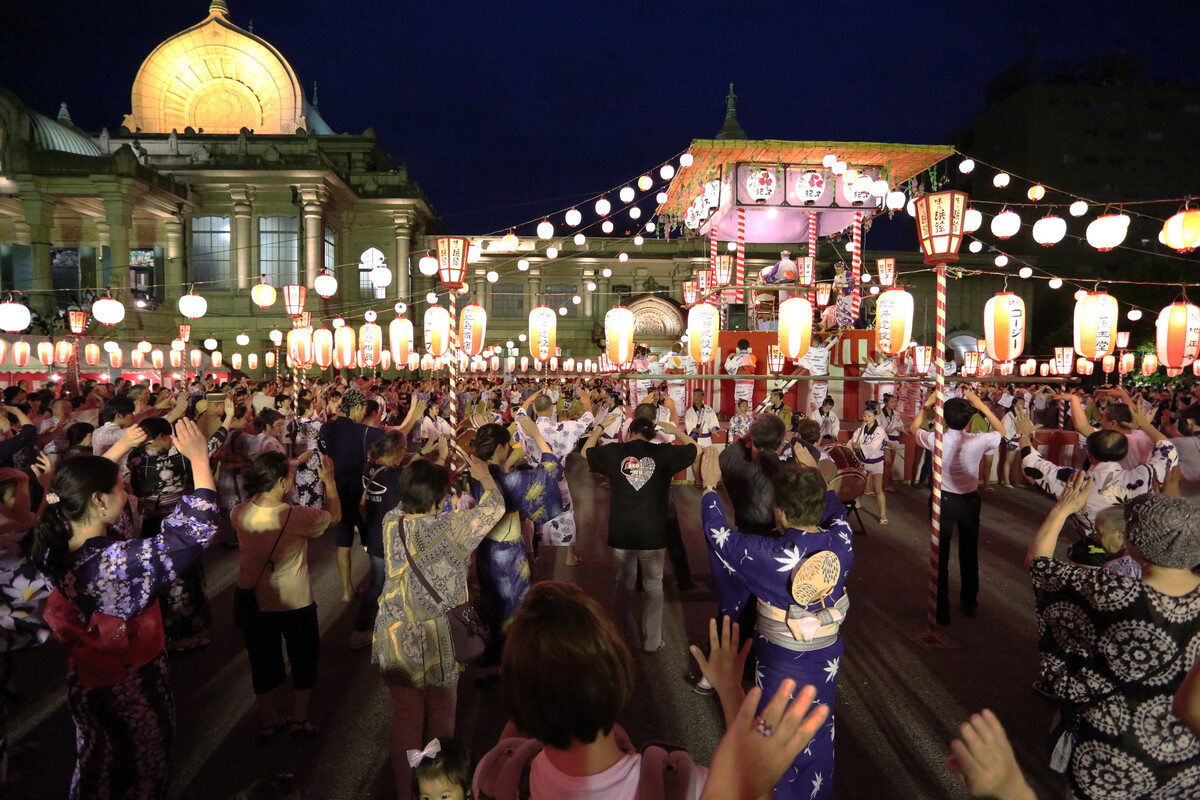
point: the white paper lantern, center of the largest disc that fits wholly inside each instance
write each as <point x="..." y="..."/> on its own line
<point x="893" y="321"/>
<point x="243" y="339"/>
<point x="1049" y="230"/>
<point x="573" y="217"/>
<point x="326" y="285"/>
<point x="381" y="277"/>
<point x="1001" y="180"/>
<point x="607" y="226"/>
<point x="108" y="311"/>
<point x="896" y="200"/>
<point x="1095" y="328"/>
<point x="626" y="194"/>
<point x="603" y="206"/>
<point x="1108" y="231"/>
<point x="192" y="305"/>
<point x="966" y="166"/>
<point x="972" y="220"/>
<point x="1078" y="208"/>
<point x="580" y="240"/>
<point x="545" y="229"/>
<point x="15" y="317"/>
<point x="1006" y="224"/>
<point x="492" y="276"/>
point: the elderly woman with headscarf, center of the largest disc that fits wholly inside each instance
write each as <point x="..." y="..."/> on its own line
<point x="1116" y="649"/>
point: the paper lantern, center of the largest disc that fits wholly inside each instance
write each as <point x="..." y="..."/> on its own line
<point x="326" y="285"/>
<point x="1062" y="360"/>
<point x="192" y="305"/>
<point x="775" y="358"/>
<point x="108" y="311"/>
<point x="343" y="348"/>
<point x="1107" y="231"/>
<point x="618" y="335"/>
<point x="299" y="347"/>
<point x="1174" y="373"/>
<point x="370" y="345"/>
<point x="115" y="357"/>
<point x="795" y="327"/>
<point x="893" y="321"/>
<point x="194" y="358"/>
<point x="1004" y="326"/>
<point x="940" y="218"/>
<point x="15" y="317"/>
<point x="216" y="359"/>
<point x="176" y="359"/>
<point x="1122" y="339"/>
<point x="1182" y="231"/>
<point x="381" y="276"/>
<point x="276" y="335"/>
<point x="1006" y="224"/>
<point x="543" y="329"/>
<point x="252" y="361"/>
<point x="385" y="359"/>
<point x="1049" y="231"/>
<point x="1196" y="368"/>
<point x="263" y="294"/>
<point x="689" y="292"/>
<point x="294" y="296"/>
<point x="970" y="363"/>
<point x="91" y="354"/>
<point x="400" y="337"/>
<point x="235" y="361"/>
<point x="156" y="358"/>
<point x="722" y="269"/>
<point x="452" y="254"/>
<point x="1108" y="364"/>
<point x="472" y="328"/>
<point x="1083" y="366"/>
<point x="322" y="347"/>
<point x="704" y="327"/>
<point x="703" y="282"/>
<point x="209" y="344"/>
<point x="887" y="271"/>
<point x="806" y="270"/>
<point x="1149" y="364"/>
<point x="269" y="359"/>
<point x="437" y="330"/>
<point x="1096" y="317"/>
<point x="524" y="363"/>
<point x="1178" y="335"/>
<point x="77" y="321"/>
<point x="45" y="353"/>
<point x="1044" y="370"/>
<point x="137" y="359"/>
<point x="823" y="292"/>
<point x="63" y="351"/>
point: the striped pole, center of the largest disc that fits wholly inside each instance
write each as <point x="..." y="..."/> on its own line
<point x="1062" y="415"/>
<point x="812" y="253"/>
<point x="856" y="262"/>
<point x="939" y="428"/>
<point x="713" y="250"/>
<point x="741" y="254"/>
<point x="454" y="351"/>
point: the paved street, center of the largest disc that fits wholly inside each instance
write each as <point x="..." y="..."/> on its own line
<point x="898" y="703"/>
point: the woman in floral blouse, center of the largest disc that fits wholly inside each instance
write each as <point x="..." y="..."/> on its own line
<point x="1116" y="649"/>
<point x="105" y="610"/>
<point x="412" y="633"/>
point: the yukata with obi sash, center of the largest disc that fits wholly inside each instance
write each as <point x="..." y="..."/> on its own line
<point x="797" y="640"/>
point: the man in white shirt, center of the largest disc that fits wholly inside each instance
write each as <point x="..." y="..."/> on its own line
<point x="678" y="363"/>
<point x="742" y="362"/>
<point x="816" y="362"/>
<point x="961" y="454"/>
<point x="700" y="420"/>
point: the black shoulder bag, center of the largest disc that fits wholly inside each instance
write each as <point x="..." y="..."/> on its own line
<point x="245" y="601"/>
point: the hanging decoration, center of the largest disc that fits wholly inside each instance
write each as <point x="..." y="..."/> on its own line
<point x="1149" y="364"/>
<point x="370" y="344"/>
<point x="543" y="329"/>
<point x="1107" y="231"/>
<point x="400" y="337"/>
<point x="108" y="311"/>
<point x="269" y="359"/>
<point x="176" y="359"/>
<point x="77" y="321"/>
<point x="437" y="330"/>
<point x="722" y="269"/>
<point x="216" y="359"/>
<point x="1096" y="317"/>
<point x="824" y="290"/>
<point x="452" y="259"/>
<point x="690" y="289"/>
<point x="294" y="296"/>
<point x="343" y="348"/>
<point x="1178" y="335"/>
<point x="704" y="326"/>
<point x="1062" y="360"/>
<point x="326" y="285"/>
<point x="299" y="347"/>
<point x="115" y="357"/>
<point x="795" y="327"/>
<point x="322" y="347"/>
<point x="156" y="358"/>
<point x="886" y="267"/>
<point x="619" y="327"/>
<point x="45" y="353"/>
<point x="191" y="305"/>
<point x="893" y="321"/>
<point x="263" y="294"/>
<point x="91" y="354"/>
<point x="1182" y="231"/>
<point x="1049" y="230"/>
<point x="1004" y="326"/>
<point x="63" y="351"/>
<point x="137" y="359"/>
<point x="472" y="328"/>
<point x="194" y="358"/>
<point x="15" y="317"/>
<point x="252" y="361"/>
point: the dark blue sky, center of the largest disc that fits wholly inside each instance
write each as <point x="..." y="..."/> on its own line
<point x="504" y="112"/>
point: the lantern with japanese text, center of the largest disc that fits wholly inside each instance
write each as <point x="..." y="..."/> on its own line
<point x="704" y="326"/>
<point x="235" y="361"/>
<point x="115" y="358"/>
<point x="370" y="344"/>
<point x="437" y="330"/>
<point x="294" y="296"/>
<point x="703" y="283"/>
<point x="893" y="321"/>
<point x="472" y="327"/>
<point x="795" y="327"/>
<point x="618" y="335"/>
<point x="940" y="218"/>
<point x="689" y="292"/>
<point x="137" y="359"/>
<point x="922" y="355"/>
<point x="299" y="347"/>
<point x="185" y="332"/>
<point x="722" y="269"/>
<point x="1149" y="364"/>
<point x="824" y="290"/>
<point x="63" y="351"/>
<point x="452" y="254"/>
<point x="1178" y="335"/>
<point x="194" y="358"/>
<point x="970" y="363"/>
<point x="1096" y="318"/>
<point x="1004" y="326"/>
<point x="1062" y="360"/>
<point x="887" y="271"/>
<point x="215" y="357"/>
<point x="775" y="358"/>
<point x="269" y="359"/>
<point x="156" y="358"/>
<point x="77" y="321"/>
<point x="543" y="329"/>
<point x="343" y="348"/>
<point x="176" y="359"/>
<point x="400" y="337"/>
<point x="263" y="294"/>
<point x="322" y="347"/>
<point x="806" y="270"/>
<point x="45" y="353"/>
<point x="91" y="354"/>
<point x="1108" y="364"/>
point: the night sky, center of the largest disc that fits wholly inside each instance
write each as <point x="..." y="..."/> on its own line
<point x="504" y="112"/>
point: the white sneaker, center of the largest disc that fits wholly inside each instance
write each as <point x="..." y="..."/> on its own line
<point x="360" y="639"/>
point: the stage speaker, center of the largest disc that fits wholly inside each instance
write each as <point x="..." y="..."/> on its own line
<point x="738" y="321"/>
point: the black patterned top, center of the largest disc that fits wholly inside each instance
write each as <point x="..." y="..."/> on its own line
<point x="1117" y="649"/>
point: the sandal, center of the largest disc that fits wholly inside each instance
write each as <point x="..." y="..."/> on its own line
<point x="265" y="732"/>
<point x="302" y="729"/>
<point x="883" y="521"/>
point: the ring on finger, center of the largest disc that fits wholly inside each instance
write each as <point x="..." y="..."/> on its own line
<point x="763" y="728"/>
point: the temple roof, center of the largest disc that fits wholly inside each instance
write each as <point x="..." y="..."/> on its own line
<point x="731" y="129"/>
<point x="56" y="136"/>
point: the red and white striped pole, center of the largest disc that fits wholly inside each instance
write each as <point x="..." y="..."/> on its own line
<point x="939" y="428"/>
<point x="741" y="254"/>
<point x="454" y="351"/>
<point x="856" y="262"/>
<point x="1062" y="415"/>
<point x="812" y="253"/>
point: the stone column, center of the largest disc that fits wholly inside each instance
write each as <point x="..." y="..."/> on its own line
<point x="403" y="220"/>
<point x="314" y="232"/>
<point x="533" y="290"/>
<point x="589" y="306"/>
<point x="479" y="289"/>
<point x="39" y="216"/>
<point x="118" y="213"/>
<point x="173" y="274"/>
<point x="241" y="239"/>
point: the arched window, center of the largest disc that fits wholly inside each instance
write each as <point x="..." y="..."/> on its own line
<point x="371" y="258"/>
<point x="559" y="295"/>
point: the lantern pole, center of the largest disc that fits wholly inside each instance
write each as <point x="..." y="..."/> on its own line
<point x="939" y="430"/>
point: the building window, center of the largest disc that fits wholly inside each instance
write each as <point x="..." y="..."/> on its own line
<point x="143" y="270"/>
<point x="558" y="295"/>
<point x="508" y="300"/>
<point x="210" y="251"/>
<point x="64" y="270"/>
<point x="330" y="248"/>
<point x="279" y="250"/>
<point x="371" y="258"/>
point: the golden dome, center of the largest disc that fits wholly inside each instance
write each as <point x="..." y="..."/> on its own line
<point x="216" y="77"/>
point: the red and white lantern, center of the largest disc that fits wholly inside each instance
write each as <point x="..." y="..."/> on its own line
<point x="472" y="328"/>
<point x="115" y="358"/>
<point x="194" y="358"/>
<point x="176" y="359"/>
<point x="252" y="361"/>
<point x="293" y="299"/>
<point x="370" y="345"/>
<point x="543" y="329"/>
<point x="91" y="354"/>
<point x="795" y="327"/>
<point x="1096" y="318"/>
<point x="437" y="330"/>
<point x="887" y="271"/>
<point x="156" y="358"/>
<point x="1062" y="360"/>
<point x="235" y="361"/>
<point x="343" y="348"/>
<point x="704" y="328"/>
<point x="1149" y="364"/>
<point x="322" y="347"/>
<point x="137" y="359"/>
<point x="824" y="290"/>
<point x="1004" y="326"/>
<point x="1178" y="335"/>
<point x="400" y="337"/>
<point x="618" y="335"/>
<point x="45" y="353"/>
<point x="63" y="351"/>
<point x="452" y="252"/>
<point x="299" y="347"/>
<point x="269" y="359"/>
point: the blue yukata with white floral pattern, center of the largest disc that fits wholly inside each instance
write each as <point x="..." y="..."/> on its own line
<point x="746" y="566"/>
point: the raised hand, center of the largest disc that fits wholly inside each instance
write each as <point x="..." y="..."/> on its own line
<point x="724" y="664"/>
<point x="190" y="442"/>
<point x="1076" y="493"/>
<point x="984" y="760"/>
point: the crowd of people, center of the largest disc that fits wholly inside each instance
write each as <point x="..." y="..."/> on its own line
<point x="112" y="492"/>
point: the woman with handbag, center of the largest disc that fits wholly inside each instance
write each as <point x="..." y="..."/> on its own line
<point x="424" y="618"/>
<point x="274" y="598"/>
